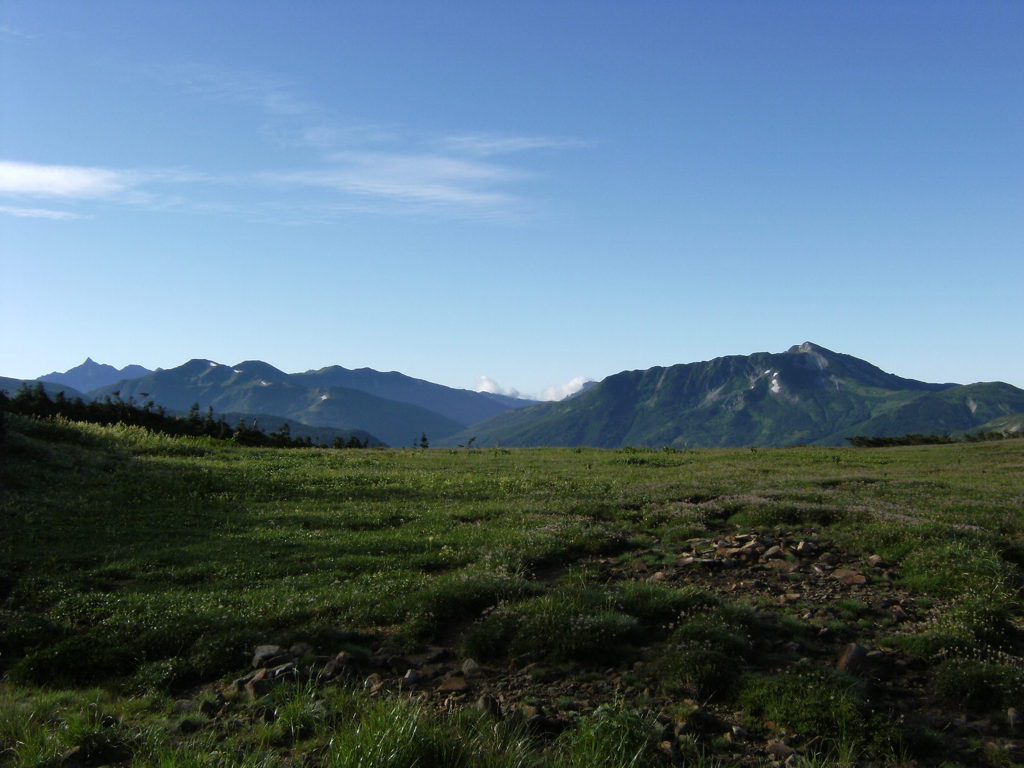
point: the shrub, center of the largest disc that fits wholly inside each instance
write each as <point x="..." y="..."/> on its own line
<point x="817" y="703"/>
<point x="704" y="655"/>
<point x="979" y="685"/>
<point x="611" y="737"/>
<point x="655" y="605"/>
<point x="571" y="623"/>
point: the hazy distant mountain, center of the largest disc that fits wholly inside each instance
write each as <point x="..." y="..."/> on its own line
<point x="92" y="375"/>
<point x="807" y="394"/>
<point x="459" y="405"/>
<point x="257" y="387"/>
<point x="11" y="387"/>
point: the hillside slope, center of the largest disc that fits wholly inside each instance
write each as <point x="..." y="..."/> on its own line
<point x="257" y="387"/>
<point x="807" y="394"/>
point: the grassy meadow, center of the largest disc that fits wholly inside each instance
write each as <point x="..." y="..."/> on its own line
<point x="529" y="607"/>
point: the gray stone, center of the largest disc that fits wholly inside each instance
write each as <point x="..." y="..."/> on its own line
<point x="848" y="576"/>
<point x="852" y="659"/>
<point x="301" y="649"/>
<point x="265" y="654"/>
<point x="779" y="750"/>
<point x="489" y="706"/>
<point x="209" y="707"/>
<point x="260" y="684"/>
<point x="454" y="684"/>
<point x="181" y="706"/>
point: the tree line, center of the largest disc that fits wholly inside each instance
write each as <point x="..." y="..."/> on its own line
<point x="863" y="441"/>
<point x="33" y="400"/>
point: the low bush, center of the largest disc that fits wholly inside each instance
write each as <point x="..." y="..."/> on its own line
<point x="818" y="703"/>
<point x="578" y="623"/>
<point x="980" y="686"/>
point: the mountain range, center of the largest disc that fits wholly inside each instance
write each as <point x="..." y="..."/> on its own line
<point x="92" y="375"/>
<point x="806" y="395"/>
<point x="393" y="408"/>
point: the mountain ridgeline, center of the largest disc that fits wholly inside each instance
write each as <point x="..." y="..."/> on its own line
<point x="806" y="395"/>
<point x="394" y="408"/>
<point x="92" y="375"/>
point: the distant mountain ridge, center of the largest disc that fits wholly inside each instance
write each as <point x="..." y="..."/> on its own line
<point x="806" y="395"/>
<point x="392" y="407"/>
<point x="92" y="375"/>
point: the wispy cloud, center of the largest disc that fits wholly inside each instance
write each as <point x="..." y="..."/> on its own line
<point x="68" y="181"/>
<point x="6" y="31"/>
<point x="38" y="213"/>
<point x="389" y="169"/>
<point x="417" y="178"/>
<point x="350" y="168"/>
<point x="264" y="91"/>
<point x="484" y="145"/>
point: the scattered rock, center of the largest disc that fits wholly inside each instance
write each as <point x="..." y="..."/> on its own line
<point x="210" y="707"/>
<point x="268" y="655"/>
<point x="489" y="706"/>
<point x="779" y="750"/>
<point x="852" y="659"/>
<point x="181" y="706"/>
<point x="260" y="684"/>
<point x="848" y="576"/>
<point x="300" y="649"/>
<point x="454" y="684"/>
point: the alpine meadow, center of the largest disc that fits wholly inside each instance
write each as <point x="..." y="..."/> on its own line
<point x="511" y="384"/>
<point x="192" y="601"/>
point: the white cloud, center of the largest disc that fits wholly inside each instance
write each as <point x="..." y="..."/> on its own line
<point x="562" y="391"/>
<point x="72" y="181"/>
<point x="38" y="213"/>
<point x="489" y="385"/>
<point x="558" y="392"/>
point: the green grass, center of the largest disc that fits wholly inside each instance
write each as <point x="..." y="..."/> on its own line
<point x="135" y="566"/>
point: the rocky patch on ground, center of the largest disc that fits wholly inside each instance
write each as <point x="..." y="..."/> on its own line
<point x="847" y="606"/>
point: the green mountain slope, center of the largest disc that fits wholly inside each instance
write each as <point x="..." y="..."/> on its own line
<point x="959" y="409"/>
<point x="257" y="387"/>
<point x="807" y="394"/>
<point x="459" y="405"/>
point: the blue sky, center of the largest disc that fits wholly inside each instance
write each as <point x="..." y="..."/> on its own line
<point x="525" y="191"/>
